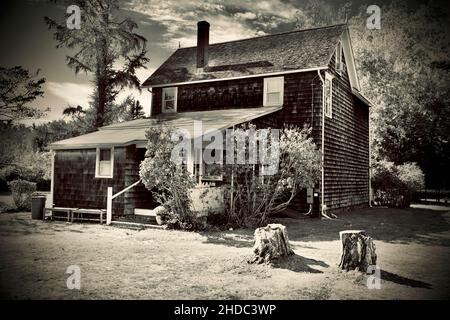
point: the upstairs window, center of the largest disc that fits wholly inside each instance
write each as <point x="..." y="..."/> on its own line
<point x="273" y="91"/>
<point x="104" y="163"/>
<point x="169" y="99"/>
<point x="328" y="95"/>
<point x="339" y="63"/>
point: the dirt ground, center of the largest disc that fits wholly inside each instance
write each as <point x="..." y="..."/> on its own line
<point x="413" y="248"/>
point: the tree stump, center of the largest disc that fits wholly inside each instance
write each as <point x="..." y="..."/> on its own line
<point x="271" y="243"/>
<point x="358" y="250"/>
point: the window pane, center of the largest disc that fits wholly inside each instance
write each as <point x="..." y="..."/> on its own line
<point x="105" y="154"/>
<point x="169" y="105"/>
<point x="169" y="93"/>
<point x="104" y="168"/>
<point x="274" y="85"/>
<point x="273" y="97"/>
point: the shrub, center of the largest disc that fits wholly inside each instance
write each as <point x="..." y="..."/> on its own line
<point x="394" y="185"/>
<point x="169" y="182"/>
<point x="21" y="192"/>
<point x="255" y="197"/>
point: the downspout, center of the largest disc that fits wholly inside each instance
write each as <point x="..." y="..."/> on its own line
<point x="322" y="202"/>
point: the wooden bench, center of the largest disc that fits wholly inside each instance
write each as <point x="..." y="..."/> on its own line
<point x="84" y="215"/>
<point x="76" y="214"/>
<point x="49" y="213"/>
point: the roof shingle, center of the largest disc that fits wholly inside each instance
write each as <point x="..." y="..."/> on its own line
<point x="295" y="50"/>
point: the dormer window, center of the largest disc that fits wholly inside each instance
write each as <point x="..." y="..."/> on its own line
<point x="169" y="99"/>
<point x="273" y="91"/>
<point x="339" y="62"/>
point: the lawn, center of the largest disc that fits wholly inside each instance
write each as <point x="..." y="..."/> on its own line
<point x="413" y="247"/>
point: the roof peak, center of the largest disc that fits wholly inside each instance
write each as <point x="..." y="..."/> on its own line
<point x="270" y="35"/>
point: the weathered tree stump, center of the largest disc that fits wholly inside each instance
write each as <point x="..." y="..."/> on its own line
<point x="358" y="250"/>
<point x="271" y="243"/>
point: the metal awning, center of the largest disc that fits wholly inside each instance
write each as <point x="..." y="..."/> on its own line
<point x="133" y="132"/>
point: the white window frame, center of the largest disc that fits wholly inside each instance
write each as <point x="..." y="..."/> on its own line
<point x="266" y="84"/>
<point x="163" y="103"/>
<point x="97" y="163"/>
<point x="328" y="109"/>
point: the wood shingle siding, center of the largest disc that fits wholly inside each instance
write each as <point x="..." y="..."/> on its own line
<point x="75" y="184"/>
<point x="346" y="147"/>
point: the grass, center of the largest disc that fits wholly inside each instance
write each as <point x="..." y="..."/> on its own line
<point x="413" y="247"/>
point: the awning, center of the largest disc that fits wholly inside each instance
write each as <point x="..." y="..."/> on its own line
<point x="133" y="132"/>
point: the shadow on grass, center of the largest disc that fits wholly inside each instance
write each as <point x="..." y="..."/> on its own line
<point x="298" y="263"/>
<point x="388" y="276"/>
<point x="230" y="240"/>
<point x="412" y="225"/>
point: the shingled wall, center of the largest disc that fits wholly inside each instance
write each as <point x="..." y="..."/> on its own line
<point x="346" y="147"/>
<point x="76" y="186"/>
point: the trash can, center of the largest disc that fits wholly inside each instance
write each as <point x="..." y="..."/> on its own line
<point x="37" y="206"/>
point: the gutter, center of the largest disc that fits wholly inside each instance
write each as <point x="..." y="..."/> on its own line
<point x="232" y="78"/>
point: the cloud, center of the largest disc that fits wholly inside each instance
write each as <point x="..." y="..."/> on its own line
<point x="230" y="20"/>
<point x="72" y="93"/>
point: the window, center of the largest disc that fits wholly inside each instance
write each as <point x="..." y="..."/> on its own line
<point x="212" y="171"/>
<point x="169" y="99"/>
<point x="273" y="91"/>
<point x="339" y="58"/>
<point x="328" y="95"/>
<point x="104" y="163"/>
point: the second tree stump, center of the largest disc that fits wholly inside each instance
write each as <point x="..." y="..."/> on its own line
<point x="358" y="250"/>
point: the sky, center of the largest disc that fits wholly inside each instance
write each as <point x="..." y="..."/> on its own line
<point x="167" y="24"/>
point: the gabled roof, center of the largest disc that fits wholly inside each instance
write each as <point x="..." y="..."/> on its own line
<point x="285" y="52"/>
<point x="131" y="132"/>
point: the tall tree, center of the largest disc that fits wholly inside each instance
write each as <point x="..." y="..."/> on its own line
<point x="104" y="41"/>
<point x="404" y="69"/>
<point x="18" y="87"/>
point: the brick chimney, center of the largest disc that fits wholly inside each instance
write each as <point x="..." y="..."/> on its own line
<point x="202" y="45"/>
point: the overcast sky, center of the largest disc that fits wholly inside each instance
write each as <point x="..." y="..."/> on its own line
<point x="26" y="41"/>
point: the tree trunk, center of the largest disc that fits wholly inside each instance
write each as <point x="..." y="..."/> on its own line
<point x="271" y="243"/>
<point x="358" y="250"/>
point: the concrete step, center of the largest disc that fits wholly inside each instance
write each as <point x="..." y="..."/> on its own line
<point x="135" y="226"/>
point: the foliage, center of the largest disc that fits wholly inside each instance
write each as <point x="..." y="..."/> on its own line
<point x="169" y="182"/>
<point x="404" y="69"/>
<point x="46" y="133"/>
<point x="20" y="159"/>
<point x="17" y="89"/>
<point x="135" y="110"/>
<point x="103" y="42"/>
<point x="21" y="192"/>
<point x="394" y="185"/>
<point x="256" y="197"/>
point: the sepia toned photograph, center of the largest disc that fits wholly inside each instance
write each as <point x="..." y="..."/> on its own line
<point x="225" y="151"/>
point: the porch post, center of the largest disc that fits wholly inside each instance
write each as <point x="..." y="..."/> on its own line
<point x="109" y="206"/>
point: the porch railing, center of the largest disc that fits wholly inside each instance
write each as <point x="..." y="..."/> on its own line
<point x="111" y="197"/>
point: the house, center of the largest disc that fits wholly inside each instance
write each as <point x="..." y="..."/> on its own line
<point x="296" y="78"/>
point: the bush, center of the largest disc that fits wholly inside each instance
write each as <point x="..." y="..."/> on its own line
<point x="169" y="182"/>
<point x="21" y="192"/>
<point x="255" y="196"/>
<point x="394" y="185"/>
